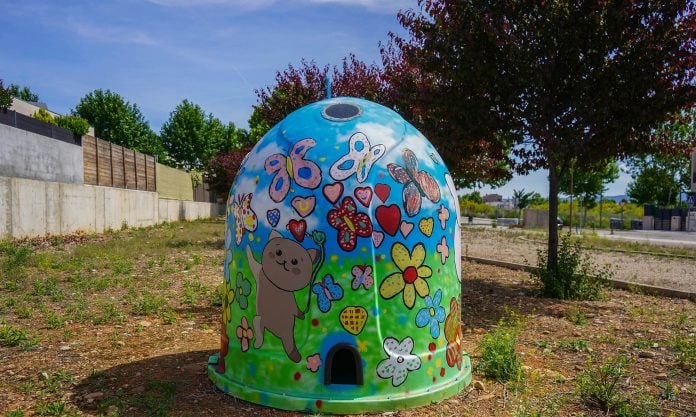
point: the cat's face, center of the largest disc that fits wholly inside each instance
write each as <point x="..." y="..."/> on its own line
<point x="287" y="264"/>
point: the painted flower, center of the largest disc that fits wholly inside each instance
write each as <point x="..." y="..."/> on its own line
<point x="228" y="300"/>
<point x="432" y="314"/>
<point x="313" y="362"/>
<point x="243" y="291"/>
<point x="399" y="362"/>
<point x="412" y="275"/>
<point x="244" y="334"/>
<point x="443" y="214"/>
<point x="443" y="250"/>
<point x="349" y="223"/>
<point x="453" y="334"/>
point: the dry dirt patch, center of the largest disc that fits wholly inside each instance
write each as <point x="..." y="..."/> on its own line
<point x="148" y="359"/>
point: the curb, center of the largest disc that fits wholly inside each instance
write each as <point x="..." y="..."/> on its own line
<point x="619" y="284"/>
<point x="632" y="252"/>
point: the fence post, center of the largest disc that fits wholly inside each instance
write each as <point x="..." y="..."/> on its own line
<point x="96" y="156"/>
<point x="111" y="156"/>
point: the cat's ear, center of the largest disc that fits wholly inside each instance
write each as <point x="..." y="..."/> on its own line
<point x="314" y="254"/>
<point x="274" y="235"/>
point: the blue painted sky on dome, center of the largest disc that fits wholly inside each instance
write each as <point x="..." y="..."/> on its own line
<point x="155" y="53"/>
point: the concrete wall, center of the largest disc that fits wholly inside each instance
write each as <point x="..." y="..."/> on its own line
<point x="174" y="183"/>
<point x="536" y="219"/>
<point x="37" y="208"/>
<point x="28" y="155"/>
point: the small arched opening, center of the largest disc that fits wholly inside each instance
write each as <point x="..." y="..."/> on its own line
<point x="343" y="366"/>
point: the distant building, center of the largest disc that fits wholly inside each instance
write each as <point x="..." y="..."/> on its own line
<point x="492" y="198"/>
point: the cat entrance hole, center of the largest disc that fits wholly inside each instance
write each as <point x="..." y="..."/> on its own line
<point x="343" y="366"/>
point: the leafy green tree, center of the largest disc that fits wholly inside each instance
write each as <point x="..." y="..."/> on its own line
<point x="522" y="200"/>
<point x="191" y="138"/>
<point x="473" y="196"/>
<point x="554" y="81"/>
<point x="5" y="98"/>
<point x="660" y="178"/>
<point x="588" y="184"/>
<point x="118" y="121"/>
<point x="23" y="93"/>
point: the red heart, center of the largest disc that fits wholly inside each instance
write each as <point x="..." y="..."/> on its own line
<point x="298" y="229"/>
<point x="364" y="195"/>
<point x="382" y="191"/>
<point x="389" y="218"/>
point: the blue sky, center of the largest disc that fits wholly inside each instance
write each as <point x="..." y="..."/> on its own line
<point x="155" y="53"/>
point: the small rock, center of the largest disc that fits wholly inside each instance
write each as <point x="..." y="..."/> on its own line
<point x="94" y="395"/>
<point x="65" y="347"/>
<point x="44" y="376"/>
<point x="646" y="354"/>
<point x="144" y="323"/>
<point x="662" y="376"/>
<point x="479" y="386"/>
<point x="120" y="343"/>
<point x="138" y="389"/>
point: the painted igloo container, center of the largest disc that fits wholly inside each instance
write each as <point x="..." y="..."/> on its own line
<point x="343" y="267"/>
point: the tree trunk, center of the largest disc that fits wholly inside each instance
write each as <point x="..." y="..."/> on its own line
<point x="552" y="262"/>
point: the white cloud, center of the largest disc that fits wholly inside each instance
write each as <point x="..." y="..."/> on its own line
<point x="380" y="6"/>
<point x="392" y="6"/>
<point x="241" y="4"/>
<point x="113" y="34"/>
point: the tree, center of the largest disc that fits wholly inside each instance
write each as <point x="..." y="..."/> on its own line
<point x="522" y="200"/>
<point x="119" y="122"/>
<point x="554" y="81"/>
<point x="5" y="98"/>
<point x="660" y="178"/>
<point x="588" y="184"/>
<point x="191" y="138"/>
<point x="297" y="87"/>
<point x="222" y="169"/>
<point x="23" y="93"/>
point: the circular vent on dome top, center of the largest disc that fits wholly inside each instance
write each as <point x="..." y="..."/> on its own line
<point x="341" y="112"/>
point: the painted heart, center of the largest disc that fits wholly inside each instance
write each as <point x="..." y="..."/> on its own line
<point x="273" y="217"/>
<point x="298" y="229"/>
<point x="304" y="206"/>
<point x="377" y="238"/>
<point x="364" y="195"/>
<point x="406" y="228"/>
<point x="389" y="218"/>
<point x="333" y="192"/>
<point x="426" y="226"/>
<point x="353" y="319"/>
<point x="382" y="191"/>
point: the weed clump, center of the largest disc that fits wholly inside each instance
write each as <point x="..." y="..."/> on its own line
<point x="575" y="278"/>
<point x="602" y="387"/>
<point x="498" y="357"/>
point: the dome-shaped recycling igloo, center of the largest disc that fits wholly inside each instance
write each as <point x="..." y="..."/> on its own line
<point x="343" y="267"/>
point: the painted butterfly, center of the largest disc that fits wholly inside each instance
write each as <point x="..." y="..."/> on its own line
<point x="358" y="160"/>
<point x="244" y="216"/>
<point x="350" y="224"/>
<point x="362" y="276"/>
<point x="417" y="184"/>
<point x="292" y="167"/>
<point x="327" y="292"/>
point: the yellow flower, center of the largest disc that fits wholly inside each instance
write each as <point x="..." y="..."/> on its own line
<point x="412" y="275"/>
<point x="227" y="303"/>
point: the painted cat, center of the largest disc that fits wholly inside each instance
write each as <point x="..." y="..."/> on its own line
<point x="285" y="267"/>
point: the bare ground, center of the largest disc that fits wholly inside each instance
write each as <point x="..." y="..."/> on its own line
<point x="144" y="367"/>
<point x="667" y="272"/>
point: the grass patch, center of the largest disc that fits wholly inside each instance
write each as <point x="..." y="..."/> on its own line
<point x="12" y="336"/>
<point x="499" y="360"/>
<point x="146" y="304"/>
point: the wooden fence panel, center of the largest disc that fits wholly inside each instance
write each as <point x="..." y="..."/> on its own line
<point x="141" y="178"/>
<point x="104" y="163"/>
<point x="118" y="169"/>
<point x="151" y="173"/>
<point x="112" y="165"/>
<point x="129" y="163"/>
<point x="89" y="156"/>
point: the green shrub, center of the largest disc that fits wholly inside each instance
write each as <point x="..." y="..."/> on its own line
<point x="13" y="262"/>
<point x="76" y="124"/>
<point x="11" y="336"/>
<point x="43" y="115"/>
<point x="498" y="358"/>
<point x="685" y="352"/>
<point x="575" y="278"/>
<point x="14" y="413"/>
<point x="5" y="98"/>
